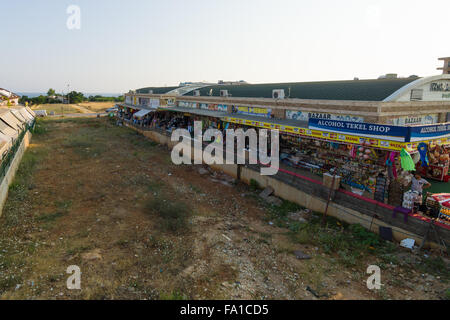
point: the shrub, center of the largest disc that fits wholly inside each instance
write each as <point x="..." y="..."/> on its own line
<point x="254" y="185"/>
<point x="364" y="236"/>
<point x="173" y="215"/>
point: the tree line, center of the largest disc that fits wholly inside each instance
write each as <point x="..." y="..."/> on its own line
<point x="71" y="97"/>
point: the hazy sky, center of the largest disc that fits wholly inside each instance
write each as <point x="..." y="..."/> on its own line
<point x="123" y="45"/>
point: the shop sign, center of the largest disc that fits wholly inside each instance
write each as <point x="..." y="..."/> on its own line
<point x="327" y="135"/>
<point x="187" y="104"/>
<point x="168" y="102"/>
<point x="253" y="111"/>
<point x="214" y="107"/>
<point x="395" y="133"/>
<point x="440" y="86"/>
<point x="154" y="103"/>
<point x="432" y="143"/>
<point x="408" y="120"/>
<point x="429" y="132"/>
<point x="305" y="116"/>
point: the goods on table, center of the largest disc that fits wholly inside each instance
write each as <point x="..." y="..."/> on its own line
<point x="409" y="198"/>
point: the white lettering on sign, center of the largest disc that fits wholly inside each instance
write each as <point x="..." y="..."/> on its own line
<point x="435" y="129"/>
<point x="305" y="116"/>
<point x="355" y="126"/>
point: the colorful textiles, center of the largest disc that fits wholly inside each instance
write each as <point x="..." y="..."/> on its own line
<point x="406" y="161"/>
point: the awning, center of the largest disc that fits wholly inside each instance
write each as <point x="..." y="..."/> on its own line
<point x="124" y="105"/>
<point x="142" y="113"/>
<point x="198" y="112"/>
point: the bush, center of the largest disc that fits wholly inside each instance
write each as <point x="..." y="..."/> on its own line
<point x="364" y="236"/>
<point x="173" y="215"/>
<point x="254" y="185"/>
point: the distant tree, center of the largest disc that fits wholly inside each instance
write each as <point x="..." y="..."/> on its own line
<point x="51" y="92"/>
<point x="40" y="100"/>
<point x="75" y="97"/>
<point x="24" y="99"/>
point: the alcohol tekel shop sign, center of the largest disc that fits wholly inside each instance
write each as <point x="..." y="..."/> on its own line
<point x="429" y="132"/>
<point x="394" y="133"/>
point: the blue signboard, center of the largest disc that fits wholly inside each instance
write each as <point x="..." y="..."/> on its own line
<point x="380" y="131"/>
<point x="434" y="131"/>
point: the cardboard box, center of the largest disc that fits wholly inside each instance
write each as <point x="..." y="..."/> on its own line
<point x="328" y="181"/>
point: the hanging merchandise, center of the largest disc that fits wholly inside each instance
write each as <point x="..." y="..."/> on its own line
<point x="353" y="151"/>
<point x="406" y="161"/>
<point x="391" y="165"/>
<point x="423" y="149"/>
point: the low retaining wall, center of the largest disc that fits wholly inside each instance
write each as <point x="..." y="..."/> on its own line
<point x="313" y="195"/>
<point x="12" y="169"/>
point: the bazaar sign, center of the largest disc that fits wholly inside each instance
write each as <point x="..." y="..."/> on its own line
<point x="409" y="120"/>
<point x="305" y="116"/>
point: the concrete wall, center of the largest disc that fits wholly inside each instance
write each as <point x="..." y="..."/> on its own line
<point x="11" y="172"/>
<point x="314" y="197"/>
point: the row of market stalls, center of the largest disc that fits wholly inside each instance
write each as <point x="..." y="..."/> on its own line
<point x="13" y="121"/>
<point x="372" y="160"/>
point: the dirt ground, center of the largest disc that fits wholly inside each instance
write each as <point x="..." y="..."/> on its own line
<point x="83" y="196"/>
<point x="57" y="108"/>
<point x="96" y="106"/>
<point x="84" y="107"/>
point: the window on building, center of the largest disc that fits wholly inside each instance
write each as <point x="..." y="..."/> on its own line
<point x="417" y="94"/>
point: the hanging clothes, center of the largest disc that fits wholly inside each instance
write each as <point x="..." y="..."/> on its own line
<point x="406" y="161"/>
<point x="390" y="163"/>
<point x="423" y="150"/>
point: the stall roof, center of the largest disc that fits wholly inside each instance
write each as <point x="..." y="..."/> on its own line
<point x="7" y="130"/>
<point x="10" y="119"/>
<point x="143" y="112"/>
<point x="283" y="122"/>
<point x="23" y="111"/>
<point x="30" y="111"/>
<point x="125" y="105"/>
<point x="18" y="115"/>
<point x="221" y="115"/>
<point x="5" y="143"/>
<point x="200" y="112"/>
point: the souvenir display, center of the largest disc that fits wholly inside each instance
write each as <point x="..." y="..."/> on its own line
<point x="435" y="161"/>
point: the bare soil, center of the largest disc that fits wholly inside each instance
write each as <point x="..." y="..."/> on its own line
<point x="81" y="198"/>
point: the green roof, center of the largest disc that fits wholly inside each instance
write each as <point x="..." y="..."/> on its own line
<point x="156" y="90"/>
<point x="360" y="90"/>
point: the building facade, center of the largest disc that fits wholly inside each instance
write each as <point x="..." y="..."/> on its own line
<point x="7" y="98"/>
<point x="400" y="101"/>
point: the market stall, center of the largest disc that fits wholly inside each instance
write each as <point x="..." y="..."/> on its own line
<point x="435" y="164"/>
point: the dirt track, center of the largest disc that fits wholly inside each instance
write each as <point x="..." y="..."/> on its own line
<point x="82" y="199"/>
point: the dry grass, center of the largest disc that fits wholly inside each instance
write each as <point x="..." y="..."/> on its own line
<point x="91" y="194"/>
<point x="97" y="106"/>
<point x="57" y="108"/>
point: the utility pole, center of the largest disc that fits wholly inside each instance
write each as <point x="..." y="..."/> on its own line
<point x="68" y="93"/>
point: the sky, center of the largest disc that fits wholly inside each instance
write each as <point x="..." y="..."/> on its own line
<point x="122" y="45"/>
